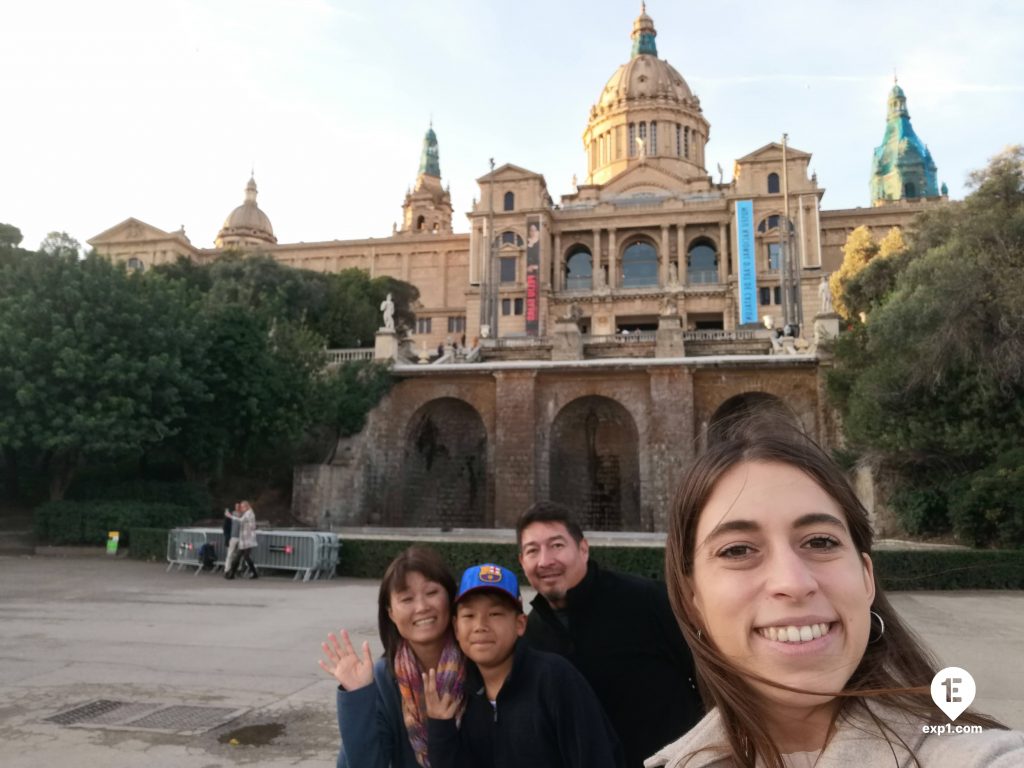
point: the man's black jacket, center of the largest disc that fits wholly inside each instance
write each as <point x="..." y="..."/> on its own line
<point x="624" y="639"/>
<point x="546" y="717"/>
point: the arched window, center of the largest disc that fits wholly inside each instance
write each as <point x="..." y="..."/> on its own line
<point x="508" y="237"/>
<point x="632" y="139"/>
<point x="909" y="190"/>
<point x="702" y="262"/>
<point x="773" y="183"/>
<point x="135" y="264"/>
<point x="770" y="223"/>
<point x="639" y="265"/>
<point x="420" y="222"/>
<point x="679" y="140"/>
<point x="686" y="142"/>
<point x="579" y="269"/>
<point x="654" y="139"/>
<point x="510" y="201"/>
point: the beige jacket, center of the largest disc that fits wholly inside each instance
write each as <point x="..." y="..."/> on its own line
<point x="858" y="742"/>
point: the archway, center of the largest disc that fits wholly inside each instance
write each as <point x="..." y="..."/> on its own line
<point x="595" y="464"/>
<point x="444" y="468"/>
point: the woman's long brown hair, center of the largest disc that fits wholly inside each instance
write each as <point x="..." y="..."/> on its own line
<point x="895" y="668"/>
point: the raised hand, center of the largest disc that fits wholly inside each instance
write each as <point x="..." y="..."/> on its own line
<point x="438" y="707"/>
<point x="350" y="669"/>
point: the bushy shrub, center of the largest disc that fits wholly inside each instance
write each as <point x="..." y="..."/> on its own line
<point x="148" y="543"/>
<point x="989" y="507"/>
<point x="88" y="522"/>
<point x="922" y="511"/>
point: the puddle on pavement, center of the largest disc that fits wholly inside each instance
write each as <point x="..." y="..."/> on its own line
<point x="252" y="735"/>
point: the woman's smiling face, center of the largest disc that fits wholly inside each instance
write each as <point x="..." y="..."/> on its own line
<point x="778" y="584"/>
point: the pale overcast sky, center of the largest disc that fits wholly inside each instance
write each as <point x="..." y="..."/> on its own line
<point x="118" y="108"/>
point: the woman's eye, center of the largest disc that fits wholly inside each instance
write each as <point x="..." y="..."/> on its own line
<point x="735" y="551"/>
<point x="822" y="542"/>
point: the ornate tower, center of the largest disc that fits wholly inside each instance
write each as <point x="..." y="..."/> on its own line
<point x="903" y="168"/>
<point x="428" y="207"/>
<point x="246" y="226"/>
<point x="645" y="114"/>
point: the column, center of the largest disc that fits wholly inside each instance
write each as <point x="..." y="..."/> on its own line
<point x="663" y="261"/>
<point x="613" y="269"/>
<point x="681" y="253"/>
<point x="559" y="260"/>
<point x="594" y="280"/>
<point x="723" y="252"/>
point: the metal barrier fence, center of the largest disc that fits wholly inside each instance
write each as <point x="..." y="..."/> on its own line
<point x="309" y="554"/>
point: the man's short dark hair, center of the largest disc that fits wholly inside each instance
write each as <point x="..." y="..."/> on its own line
<point x="548" y="512"/>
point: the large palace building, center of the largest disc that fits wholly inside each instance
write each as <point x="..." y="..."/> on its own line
<point x="648" y="258"/>
<point x="647" y="223"/>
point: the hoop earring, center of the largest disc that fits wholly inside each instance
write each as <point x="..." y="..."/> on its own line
<point x="881" y="627"/>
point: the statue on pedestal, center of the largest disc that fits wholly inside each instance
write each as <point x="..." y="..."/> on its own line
<point x="825" y="294"/>
<point x="388" y="308"/>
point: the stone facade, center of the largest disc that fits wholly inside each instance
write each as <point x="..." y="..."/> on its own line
<point x="473" y="446"/>
<point x="609" y="323"/>
<point x="648" y="221"/>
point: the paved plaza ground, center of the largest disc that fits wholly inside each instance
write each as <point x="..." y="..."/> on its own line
<point x="81" y="629"/>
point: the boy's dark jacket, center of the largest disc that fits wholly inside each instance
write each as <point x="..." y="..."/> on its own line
<point x="624" y="639"/>
<point x="546" y="717"/>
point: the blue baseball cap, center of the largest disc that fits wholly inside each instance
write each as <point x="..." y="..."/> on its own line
<point x="489" y="576"/>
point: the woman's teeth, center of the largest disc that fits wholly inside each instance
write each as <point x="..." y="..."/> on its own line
<point x="794" y="634"/>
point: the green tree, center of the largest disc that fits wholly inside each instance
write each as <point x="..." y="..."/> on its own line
<point x="348" y="395"/>
<point x="10" y="236"/>
<point x="60" y="244"/>
<point x="93" y="363"/>
<point x="933" y="384"/>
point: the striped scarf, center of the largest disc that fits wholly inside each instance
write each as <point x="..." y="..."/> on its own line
<point x="451" y="674"/>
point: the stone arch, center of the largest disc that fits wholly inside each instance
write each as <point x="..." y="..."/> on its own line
<point x="702" y="261"/>
<point x="638" y="263"/>
<point x="444" y="466"/>
<point x="579" y="268"/>
<point x="595" y="463"/>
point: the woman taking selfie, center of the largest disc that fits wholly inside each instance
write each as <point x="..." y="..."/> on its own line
<point x="381" y="708"/>
<point x="801" y="659"/>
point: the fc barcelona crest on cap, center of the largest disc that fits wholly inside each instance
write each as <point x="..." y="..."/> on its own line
<point x="489" y="576"/>
<point x="490" y="573"/>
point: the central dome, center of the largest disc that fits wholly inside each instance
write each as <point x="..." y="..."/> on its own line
<point x="645" y="77"/>
<point x="646" y="114"/>
<point x="247" y="225"/>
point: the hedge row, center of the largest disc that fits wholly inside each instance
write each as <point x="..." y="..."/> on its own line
<point x="896" y="569"/>
<point x="148" y="543"/>
<point x="88" y="522"/>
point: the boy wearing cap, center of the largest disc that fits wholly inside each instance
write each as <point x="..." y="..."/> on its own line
<point x="523" y="707"/>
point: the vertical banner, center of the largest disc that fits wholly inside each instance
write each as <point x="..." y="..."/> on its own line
<point x="747" y="266"/>
<point x="532" y="275"/>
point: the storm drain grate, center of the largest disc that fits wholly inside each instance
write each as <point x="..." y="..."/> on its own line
<point x="145" y="716"/>
<point x="90" y="711"/>
<point x="183" y="718"/>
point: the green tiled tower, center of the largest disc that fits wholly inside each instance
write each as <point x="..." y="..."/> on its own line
<point x="902" y="168"/>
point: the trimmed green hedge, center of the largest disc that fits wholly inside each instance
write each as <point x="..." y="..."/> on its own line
<point x="87" y="522"/>
<point x="896" y="569"/>
<point x="148" y="543"/>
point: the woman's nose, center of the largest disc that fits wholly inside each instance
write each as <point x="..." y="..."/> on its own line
<point x="790" y="576"/>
